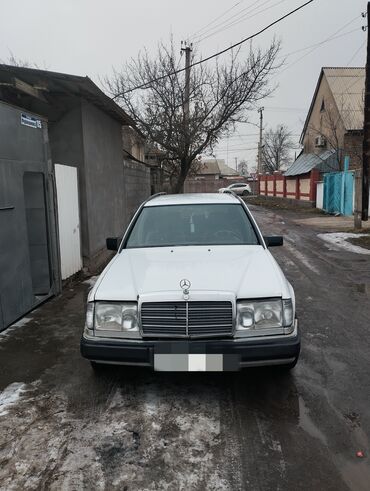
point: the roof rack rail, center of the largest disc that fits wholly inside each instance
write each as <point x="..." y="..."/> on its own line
<point x="154" y="196"/>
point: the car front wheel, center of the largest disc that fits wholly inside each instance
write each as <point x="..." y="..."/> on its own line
<point x="246" y="192"/>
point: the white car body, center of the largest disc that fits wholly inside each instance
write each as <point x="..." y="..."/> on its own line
<point x="215" y="273"/>
<point x="238" y="188"/>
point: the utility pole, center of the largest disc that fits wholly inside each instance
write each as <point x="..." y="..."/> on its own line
<point x="366" y="143"/>
<point x="187" y="48"/>
<point x="259" y="166"/>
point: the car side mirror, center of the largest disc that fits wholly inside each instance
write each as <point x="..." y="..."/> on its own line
<point x="113" y="243"/>
<point x="274" y="240"/>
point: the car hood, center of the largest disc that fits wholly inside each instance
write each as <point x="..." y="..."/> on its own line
<point x="246" y="271"/>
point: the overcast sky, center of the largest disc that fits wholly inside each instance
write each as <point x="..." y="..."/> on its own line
<point x="89" y="37"/>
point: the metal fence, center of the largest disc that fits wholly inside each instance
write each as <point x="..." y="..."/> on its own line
<point x="338" y="193"/>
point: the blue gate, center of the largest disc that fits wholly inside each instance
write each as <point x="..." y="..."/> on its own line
<point x="338" y="192"/>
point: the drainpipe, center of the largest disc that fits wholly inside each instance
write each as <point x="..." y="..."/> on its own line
<point x="346" y="167"/>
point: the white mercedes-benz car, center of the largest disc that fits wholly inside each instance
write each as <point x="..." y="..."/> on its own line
<point x="193" y="286"/>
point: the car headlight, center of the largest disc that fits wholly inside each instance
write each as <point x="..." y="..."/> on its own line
<point x="263" y="316"/>
<point x="117" y="317"/>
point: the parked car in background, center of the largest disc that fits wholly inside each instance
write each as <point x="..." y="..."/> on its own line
<point x="239" y="188"/>
<point x="193" y="287"/>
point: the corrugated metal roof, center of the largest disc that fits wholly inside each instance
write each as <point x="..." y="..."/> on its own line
<point x="209" y="166"/>
<point x="216" y="166"/>
<point x="225" y="170"/>
<point x="324" y="162"/>
<point x="55" y="83"/>
<point x="347" y="86"/>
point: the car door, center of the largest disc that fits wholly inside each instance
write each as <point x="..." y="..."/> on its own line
<point x="238" y="189"/>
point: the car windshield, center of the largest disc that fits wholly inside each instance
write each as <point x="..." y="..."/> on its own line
<point x="198" y="224"/>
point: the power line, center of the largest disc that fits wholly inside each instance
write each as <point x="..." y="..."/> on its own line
<point x="316" y="45"/>
<point x="219" y="52"/>
<point x="216" y="19"/>
<point x="356" y="52"/>
<point x="242" y="19"/>
<point x="245" y="10"/>
<point x="329" y="38"/>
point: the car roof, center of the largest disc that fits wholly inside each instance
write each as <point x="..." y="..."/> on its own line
<point x="193" y="199"/>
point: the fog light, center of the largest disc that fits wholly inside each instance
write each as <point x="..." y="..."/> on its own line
<point x="129" y="320"/>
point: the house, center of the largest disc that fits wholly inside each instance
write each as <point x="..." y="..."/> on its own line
<point x="214" y="169"/>
<point x="333" y="130"/>
<point x="335" y="118"/>
<point x="66" y="182"/>
<point x="209" y="175"/>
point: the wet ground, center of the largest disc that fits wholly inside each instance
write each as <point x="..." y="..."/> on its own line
<point x="61" y="427"/>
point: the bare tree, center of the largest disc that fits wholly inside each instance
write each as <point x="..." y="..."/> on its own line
<point x="276" y="149"/>
<point x="18" y="62"/>
<point x="243" y="168"/>
<point x="220" y="96"/>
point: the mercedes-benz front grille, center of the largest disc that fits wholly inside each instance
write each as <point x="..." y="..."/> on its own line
<point x="186" y="319"/>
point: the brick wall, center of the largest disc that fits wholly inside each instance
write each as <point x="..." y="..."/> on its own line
<point x="301" y="187"/>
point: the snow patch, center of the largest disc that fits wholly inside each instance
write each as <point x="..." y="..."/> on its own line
<point x="339" y="239"/>
<point x="21" y="323"/>
<point x="10" y="395"/>
<point x="91" y="281"/>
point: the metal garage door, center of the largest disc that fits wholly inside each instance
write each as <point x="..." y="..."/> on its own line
<point x="28" y="265"/>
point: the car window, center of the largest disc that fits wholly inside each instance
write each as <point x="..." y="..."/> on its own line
<point x="198" y="224"/>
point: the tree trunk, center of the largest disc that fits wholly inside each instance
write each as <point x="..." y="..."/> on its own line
<point x="179" y="185"/>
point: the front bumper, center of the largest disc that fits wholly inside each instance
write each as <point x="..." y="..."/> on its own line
<point x="237" y="353"/>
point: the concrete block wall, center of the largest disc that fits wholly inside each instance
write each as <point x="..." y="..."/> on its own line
<point x="136" y="178"/>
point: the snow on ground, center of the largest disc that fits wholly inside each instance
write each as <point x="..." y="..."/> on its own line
<point x="141" y="438"/>
<point x="9" y="396"/>
<point x="339" y="240"/>
<point x="21" y="323"/>
<point x="91" y="281"/>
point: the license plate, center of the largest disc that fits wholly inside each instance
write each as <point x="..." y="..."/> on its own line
<point x="188" y="362"/>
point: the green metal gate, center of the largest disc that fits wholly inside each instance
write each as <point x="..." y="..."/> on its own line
<point x="338" y="192"/>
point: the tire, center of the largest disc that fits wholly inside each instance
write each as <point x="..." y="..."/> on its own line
<point x="246" y="193"/>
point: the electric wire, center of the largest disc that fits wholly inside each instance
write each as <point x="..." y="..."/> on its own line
<point x="329" y="38"/>
<point x="321" y="43"/>
<point x="356" y="52"/>
<point x="245" y="10"/>
<point x="144" y="85"/>
<point x="242" y="19"/>
<point x="215" y="20"/>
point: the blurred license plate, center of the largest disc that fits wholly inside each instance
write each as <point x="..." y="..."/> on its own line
<point x="185" y="362"/>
